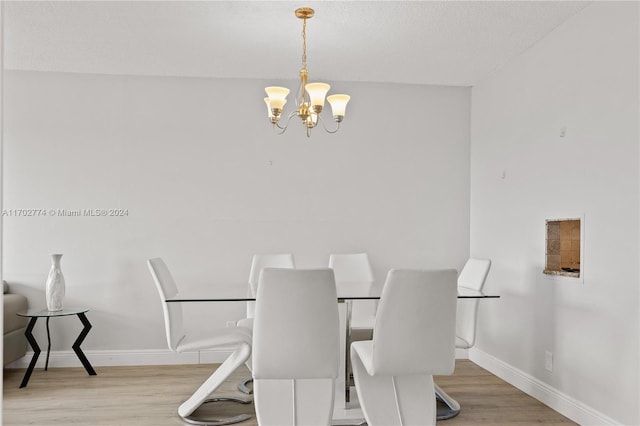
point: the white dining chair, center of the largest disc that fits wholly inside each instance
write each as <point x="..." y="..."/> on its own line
<point x="295" y="347"/>
<point x="354" y="277"/>
<point x="413" y="339"/>
<point x="472" y="277"/>
<point x="259" y="261"/>
<point x="238" y="339"/>
<point x="470" y="281"/>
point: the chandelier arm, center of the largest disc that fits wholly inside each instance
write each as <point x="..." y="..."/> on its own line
<point x="286" y="126"/>
<point x="292" y="114"/>
<point x="299" y="98"/>
<point x="325" y="126"/>
<point x="283" y="129"/>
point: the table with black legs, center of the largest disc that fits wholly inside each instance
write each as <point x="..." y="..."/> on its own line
<point x="34" y="315"/>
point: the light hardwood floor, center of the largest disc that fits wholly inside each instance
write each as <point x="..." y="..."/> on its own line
<point x="150" y="395"/>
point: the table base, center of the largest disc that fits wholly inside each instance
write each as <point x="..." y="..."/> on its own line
<point x="76" y="347"/>
<point x="349" y="414"/>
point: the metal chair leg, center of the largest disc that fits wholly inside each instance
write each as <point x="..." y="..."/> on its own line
<point x="203" y="394"/>
<point x="451" y="407"/>
<point x="242" y="386"/>
<point x="219" y="421"/>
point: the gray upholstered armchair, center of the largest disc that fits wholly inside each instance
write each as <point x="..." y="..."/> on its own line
<point x="15" y="344"/>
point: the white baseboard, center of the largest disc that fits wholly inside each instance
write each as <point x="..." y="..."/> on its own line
<point x="553" y="398"/>
<point x="122" y="358"/>
<point x="138" y="357"/>
<point x="462" y="353"/>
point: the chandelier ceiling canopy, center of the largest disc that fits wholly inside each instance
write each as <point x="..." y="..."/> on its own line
<point x="310" y="96"/>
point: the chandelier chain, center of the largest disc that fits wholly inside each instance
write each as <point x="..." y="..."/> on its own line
<point x="304" y="44"/>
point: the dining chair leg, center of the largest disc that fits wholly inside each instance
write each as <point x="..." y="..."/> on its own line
<point x="449" y="407"/>
<point x="200" y="421"/>
<point x="202" y="394"/>
<point x="242" y="386"/>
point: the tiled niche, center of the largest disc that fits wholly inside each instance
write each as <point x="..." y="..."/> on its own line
<point x="563" y="247"/>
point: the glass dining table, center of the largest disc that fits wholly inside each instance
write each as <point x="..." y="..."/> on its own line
<point x="346" y="409"/>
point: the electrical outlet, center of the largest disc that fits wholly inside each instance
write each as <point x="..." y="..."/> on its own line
<point x="231" y="323"/>
<point x="548" y="360"/>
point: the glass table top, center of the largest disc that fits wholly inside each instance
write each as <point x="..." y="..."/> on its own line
<point x="43" y="313"/>
<point x="236" y="296"/>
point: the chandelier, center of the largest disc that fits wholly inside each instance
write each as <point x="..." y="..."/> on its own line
<point x="310" y="96"/>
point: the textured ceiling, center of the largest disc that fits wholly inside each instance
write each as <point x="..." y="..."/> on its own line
<point x="424" y="42"/>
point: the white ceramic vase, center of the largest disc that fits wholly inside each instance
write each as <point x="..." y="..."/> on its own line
<point x="55" y="285"/>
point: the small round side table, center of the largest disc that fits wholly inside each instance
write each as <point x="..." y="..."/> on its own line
<point x="34" y="315"/>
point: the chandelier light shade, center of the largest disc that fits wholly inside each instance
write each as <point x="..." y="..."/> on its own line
<point x="310" y="96"/>
<point x="338" y="105"/>
<point x="277" y="96"/>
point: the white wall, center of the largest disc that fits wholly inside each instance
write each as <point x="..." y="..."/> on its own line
<point x="207" y="184"/>
<point x="583" y="77"/>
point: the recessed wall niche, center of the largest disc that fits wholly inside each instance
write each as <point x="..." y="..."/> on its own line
<point x="563" y="247"/>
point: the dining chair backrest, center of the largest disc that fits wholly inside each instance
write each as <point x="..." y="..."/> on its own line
<point x="352" y="267"/>
<point x="259" y="261"/>
<point x="474" y="273"/>
<point x="414" y="328"/>
<point x="473" y="276"/>
<point x="296" y="347"/>
<point x="354" y="277"/>
<point x="167" y="289"/>
<point x="296" y="331"/>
